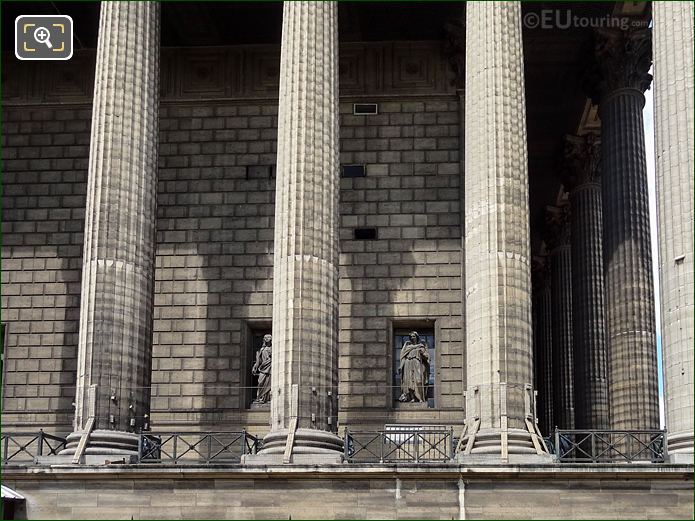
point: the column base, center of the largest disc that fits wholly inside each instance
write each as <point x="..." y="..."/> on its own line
<point x="680" y="442"/>
<point x="680" y="458"/>
<point x="488" y="444"/>
<point x="104" y="443"/>
<point x="311" y="446"/>
<point x="680" y="448"/>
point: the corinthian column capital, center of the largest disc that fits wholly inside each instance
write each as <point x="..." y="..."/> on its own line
<point x="557" y="227"/>
<point x="622" y="59"/>
<point x="580" y="161"/>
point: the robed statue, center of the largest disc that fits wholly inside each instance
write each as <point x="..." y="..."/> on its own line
<point x="414" y="369"/>
<point x="261" y="369"/>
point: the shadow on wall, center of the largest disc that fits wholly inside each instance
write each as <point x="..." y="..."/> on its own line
<point x="409" y="275"/>
<point x="214" y="262"/>
<point x="45" y="160"/>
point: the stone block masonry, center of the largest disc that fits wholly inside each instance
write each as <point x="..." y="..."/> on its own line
<point x="45" y="155"/>
<point x="213" y="275"/>
<point x="383" y="492"/>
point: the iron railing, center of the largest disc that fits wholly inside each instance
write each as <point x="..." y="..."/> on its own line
<point x="595" y="446"/>
<point x="396" y="445"/>
<point x="181" y="448"/>
<point x="399" y="446"/>
<point x="25" y="447"/>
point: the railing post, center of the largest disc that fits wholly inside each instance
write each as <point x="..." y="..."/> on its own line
<point x="383" y="440"/>
<point x="451" y="443"/>
<point x="140" y="447"/>
<point x="594" y="457"/>
<point x="557" y="443"/>
<point x="417" y="447"/>
<point x="174" y="453"/>
<point x="39" y="449"/>
<point x="244" y="442"/>
<point x="209" y="454"/>
<point x="346" y="442"/>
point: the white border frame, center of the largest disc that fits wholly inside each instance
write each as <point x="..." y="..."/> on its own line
<point x="16" y="27"/>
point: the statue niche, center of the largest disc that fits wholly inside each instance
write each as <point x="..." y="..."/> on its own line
<point x="414" y="369"/>
<point x="261" y="369"/>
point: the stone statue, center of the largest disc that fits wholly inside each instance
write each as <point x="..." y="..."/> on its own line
<point x="261" y="369"/>
<point x="414" y="369"/>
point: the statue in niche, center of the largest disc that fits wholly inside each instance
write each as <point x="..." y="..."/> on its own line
<point x="414" y="369"/>
<point x="261" y="369"/>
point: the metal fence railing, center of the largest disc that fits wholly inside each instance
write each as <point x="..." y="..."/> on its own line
<point x="594" y="446"/>
<point x="181" y="448"/>
<point x="25" y="447"/>
<point x="411" y="444"/>
<point x="399" y="446"/>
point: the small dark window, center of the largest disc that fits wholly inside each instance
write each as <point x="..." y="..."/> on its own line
<point x="365" y="109"/>
<point x="354" y="171"/>
<point x="365" y="234"/>
<point x="260" y="172"/>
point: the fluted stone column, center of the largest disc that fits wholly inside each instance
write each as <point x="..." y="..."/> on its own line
<point x="305" y="275"/>
<point x="562" y="332"/>
<point x="623" y="59"/>
<point x="115" y="336"/>
<point x="673" y="100"/>
<point x="543" y="339"/>
<point x="499" y="395"/>
<point x="582" y="180"/>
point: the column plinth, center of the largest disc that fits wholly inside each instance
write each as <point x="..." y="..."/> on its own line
<point x="305" y="276"/>
<point x="673" y="115"/>
<point x="582" y="180"/>
<point x="116" y="313"/>
<point x="623" y="59"/>
<point x="499" y="387"/>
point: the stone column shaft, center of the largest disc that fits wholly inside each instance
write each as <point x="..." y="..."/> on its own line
<point x="499" y="396"/>
<point x="582" y="180"/>
<point x="621" y="76"/>
<point x="305" y="276"/>
<point x="631" y="326"/>
<point x="543" y="355"/>
<point x="115" y="336"/>
<point x="590" y="380"/>
<point x="673" y="114"/>
<point x="563" y="366"/>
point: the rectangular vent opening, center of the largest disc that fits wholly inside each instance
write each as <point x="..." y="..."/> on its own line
<point x="353" y="171"/>
<point x="365" y="109"/>
<point x="365" y="234"/>
<point x="260" y="171"/>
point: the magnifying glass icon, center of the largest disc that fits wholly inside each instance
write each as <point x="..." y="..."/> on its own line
<point x="42" y="35"/>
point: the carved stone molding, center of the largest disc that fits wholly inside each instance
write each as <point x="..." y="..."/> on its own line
<point x="557" y="227"/>
<point x="540" y="272"/>
<point x="241" y="72"/>
<point x="622" y="59"/>
<point x="580" y="161"/>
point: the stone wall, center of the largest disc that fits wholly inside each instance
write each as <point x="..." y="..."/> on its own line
<point x="219" y="495"/>
<point x="215" y="234"/>
<point x="45" y="152"/>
